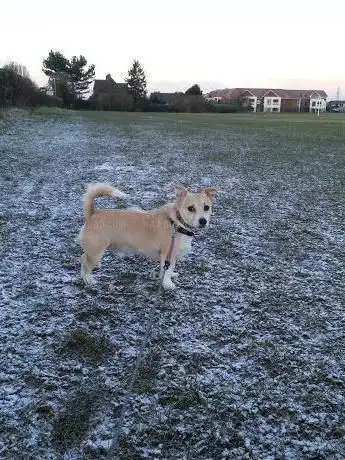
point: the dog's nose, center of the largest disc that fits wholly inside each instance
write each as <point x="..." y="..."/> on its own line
<point x="202" y="222"/>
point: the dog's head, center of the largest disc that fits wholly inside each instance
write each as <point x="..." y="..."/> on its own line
<point x="195" y="208"/>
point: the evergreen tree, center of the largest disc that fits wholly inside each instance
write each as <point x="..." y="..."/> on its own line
<point x="69" y="78"/>
<point x="56" y="63"/>
<point x="56" y="67"/>
<point x="194" y="91"/>
<point x="81" y="77"/>
<point x="136" y="82"/>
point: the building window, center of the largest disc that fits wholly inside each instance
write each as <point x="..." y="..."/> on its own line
<point x="275" y="109"/>
<point x="275" y="101"/>
<point x="268" y="101"/>
<point x="313" y="104"/>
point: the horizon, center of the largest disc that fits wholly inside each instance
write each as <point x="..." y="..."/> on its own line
<point x="214" y="45"/>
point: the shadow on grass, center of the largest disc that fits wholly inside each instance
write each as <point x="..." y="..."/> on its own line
<point x="91" y="348"/>
<point x="73" y="422"/>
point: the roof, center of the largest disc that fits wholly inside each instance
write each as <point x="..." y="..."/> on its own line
<point x="233" y="93"/>
<point x="108" y="86"/>
<point x="227" y="93"/>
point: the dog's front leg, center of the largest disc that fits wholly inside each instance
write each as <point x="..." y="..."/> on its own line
<point x="167" y="274"/>
<point x="172" y="274"/>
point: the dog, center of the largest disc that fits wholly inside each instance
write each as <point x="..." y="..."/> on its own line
<point x="162" y="234"/>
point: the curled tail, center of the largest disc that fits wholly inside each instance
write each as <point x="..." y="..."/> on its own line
<point x="96" y="190"/>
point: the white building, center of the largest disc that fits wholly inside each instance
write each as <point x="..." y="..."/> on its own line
<point x="273" y="100"/>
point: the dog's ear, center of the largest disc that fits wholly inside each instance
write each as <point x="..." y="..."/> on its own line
<point x="210" y="192"/>
<point x="180" y="192"/>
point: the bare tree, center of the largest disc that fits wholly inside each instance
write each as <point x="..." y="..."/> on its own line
<point x="18" y="68"/>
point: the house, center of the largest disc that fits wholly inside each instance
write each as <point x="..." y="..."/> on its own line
<point x="47" y="90"/>
<point x="214" y="99"/>
<point x="273" y="100"/>
<point x="107" y="95"/>
<point x="336" y="106"/>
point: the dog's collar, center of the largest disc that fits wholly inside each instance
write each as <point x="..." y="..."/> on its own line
<point x="180" y="219"/>
<point x="184" y="231"/>
<point x="180" y="229"/>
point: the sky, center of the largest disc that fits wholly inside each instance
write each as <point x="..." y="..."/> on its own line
<point x="215" y="43"/>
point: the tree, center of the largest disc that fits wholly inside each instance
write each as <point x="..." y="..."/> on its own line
<point x="56" y="67"/>
<point x="18" y="69"/>
<point x="15" y="89"/>
<point x="55" y="63"/>
<point x="194" y="91"/>
<point x="69" y="78"/>
<point x="136" y="82"/>
<point x="81" y="77"/>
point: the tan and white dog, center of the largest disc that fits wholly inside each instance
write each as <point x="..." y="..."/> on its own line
<point x="163" y="233"/>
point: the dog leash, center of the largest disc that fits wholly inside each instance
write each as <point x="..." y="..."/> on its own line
<point x="114" y="445"/>
<point x="176" y="229"/>
<point x="171" y="247"/>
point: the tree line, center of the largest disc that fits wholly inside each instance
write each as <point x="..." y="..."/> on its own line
<point x="18" y="90"/>
<point x="70" y="81"/>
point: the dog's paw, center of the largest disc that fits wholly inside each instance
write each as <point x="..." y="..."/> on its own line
<point x="168" y="285"/>
<point x="174" y="275"/>
<point x="89" y="280"/>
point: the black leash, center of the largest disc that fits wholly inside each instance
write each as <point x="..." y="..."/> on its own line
<point x="113" y="452"/>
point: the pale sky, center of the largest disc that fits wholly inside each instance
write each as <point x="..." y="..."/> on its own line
<point x="216" y="43"/>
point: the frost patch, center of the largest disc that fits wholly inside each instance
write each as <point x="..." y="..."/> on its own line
<point x="104" y="167"/>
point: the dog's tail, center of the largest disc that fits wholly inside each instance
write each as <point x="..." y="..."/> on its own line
<point x="96" y="190"/>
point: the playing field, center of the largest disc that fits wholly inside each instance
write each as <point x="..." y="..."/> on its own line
<point x="246" y="359"/>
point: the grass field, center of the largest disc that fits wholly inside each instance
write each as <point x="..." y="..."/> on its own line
<point x="246" y="358"/>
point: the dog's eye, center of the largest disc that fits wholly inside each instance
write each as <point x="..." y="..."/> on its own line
<point x="191" y="209"/>
<point x="206" y="207"/>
